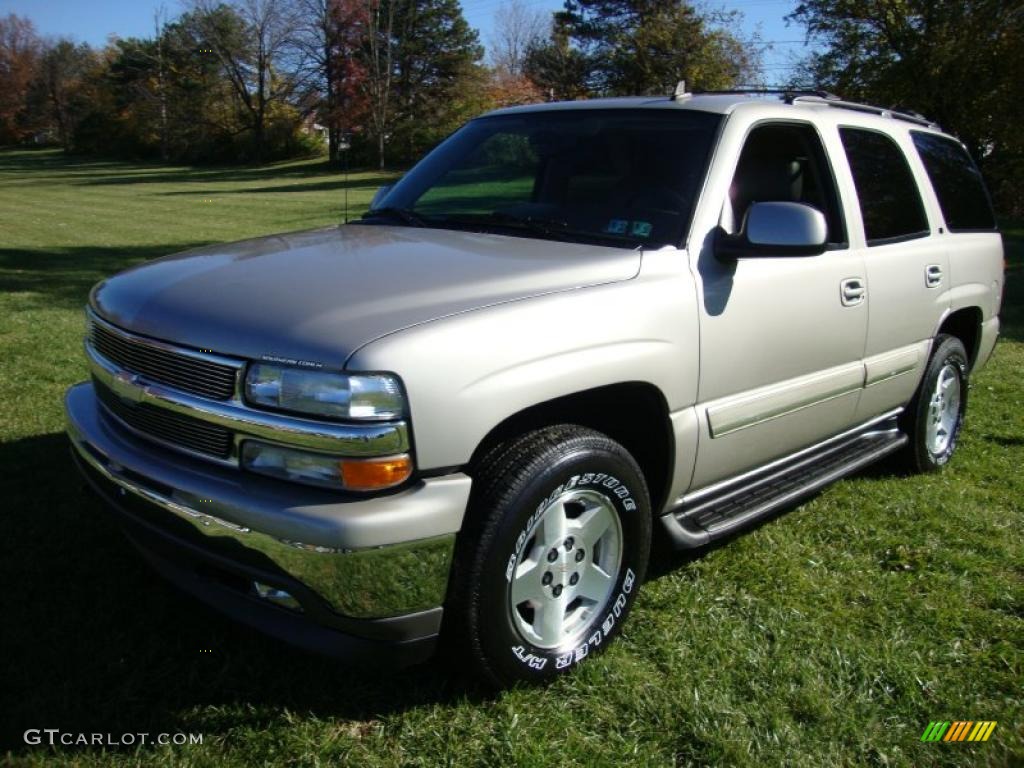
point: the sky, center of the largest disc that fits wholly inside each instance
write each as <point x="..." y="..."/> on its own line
<point x="92" y="21"/>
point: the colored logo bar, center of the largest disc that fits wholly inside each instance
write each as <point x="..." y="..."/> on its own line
<point x="960" y="730"/>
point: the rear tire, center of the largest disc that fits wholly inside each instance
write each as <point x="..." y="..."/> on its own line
<point x="551" y="557"/>
<point x="935" y="416"/>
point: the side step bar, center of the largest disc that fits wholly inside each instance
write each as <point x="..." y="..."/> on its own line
<point x="711" y="513"/>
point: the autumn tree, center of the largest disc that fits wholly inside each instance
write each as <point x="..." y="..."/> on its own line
<point x="58" y="93"/>
<point x="328" y="36"/>
<point x="19" y="59"/>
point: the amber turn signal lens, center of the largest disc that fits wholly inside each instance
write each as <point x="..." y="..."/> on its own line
<point x="375" y="474"/>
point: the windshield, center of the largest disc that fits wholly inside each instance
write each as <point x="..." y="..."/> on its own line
<point x="615" y="177"/>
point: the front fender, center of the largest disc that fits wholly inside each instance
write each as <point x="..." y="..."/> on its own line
<point x="467" y="373"/>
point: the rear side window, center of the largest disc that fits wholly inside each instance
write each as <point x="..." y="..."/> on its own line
<point x="890" y="202"/>
<point x="957" y="183"/>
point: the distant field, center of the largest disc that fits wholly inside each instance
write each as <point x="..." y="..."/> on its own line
<point x="828" y="637"/>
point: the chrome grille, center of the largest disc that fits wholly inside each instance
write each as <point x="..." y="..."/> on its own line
<point x="164" y="366"/>
<point x="167" y="426"/>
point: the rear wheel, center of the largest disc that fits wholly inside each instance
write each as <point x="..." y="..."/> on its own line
<point x="936" y="414"/>
<point x="552" y="555"/>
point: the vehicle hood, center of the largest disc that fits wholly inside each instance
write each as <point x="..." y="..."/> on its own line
<point x="318" y="295"/>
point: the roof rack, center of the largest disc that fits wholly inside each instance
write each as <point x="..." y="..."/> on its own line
<point x="835" y="101"/>
<point x="787" y="93"/>
<point x="813" y="96"/>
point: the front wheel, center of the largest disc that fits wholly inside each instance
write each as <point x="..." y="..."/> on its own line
<point x="936" y="415"/>
<point x="552" y="555"/>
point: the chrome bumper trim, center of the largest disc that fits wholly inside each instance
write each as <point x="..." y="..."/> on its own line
<point x="357" y="440"/>
<point x="368" y="582"/>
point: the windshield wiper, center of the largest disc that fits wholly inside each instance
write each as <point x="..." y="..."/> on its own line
<point x="534" y="223"/>
<point x="404" y="215"/>
<point x="501" y="220"/>
<point x="553" y="228"/>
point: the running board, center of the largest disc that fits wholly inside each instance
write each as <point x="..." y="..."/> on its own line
<point x="716" y="511"/>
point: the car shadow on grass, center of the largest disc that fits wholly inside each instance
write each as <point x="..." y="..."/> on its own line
<point x="86" y="170"/>
<point x="95" y="642"/>
<point x="334" y="184"/>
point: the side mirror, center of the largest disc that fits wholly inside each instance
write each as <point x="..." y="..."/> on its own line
<point x="380" y="195"/>
<point x="776" y="229"/>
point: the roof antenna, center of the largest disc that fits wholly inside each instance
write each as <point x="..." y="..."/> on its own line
<point x="679" y="92"/>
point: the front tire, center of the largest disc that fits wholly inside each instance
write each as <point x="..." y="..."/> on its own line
<point x="936" y="414"/>
<point x="551" y="557"/>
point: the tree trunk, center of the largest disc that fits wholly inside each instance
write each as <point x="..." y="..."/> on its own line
<point x="162" y="86"/>
<point x="330" y="103"/>
<point x="380" y="148"/>
<point x="257" y="138"/>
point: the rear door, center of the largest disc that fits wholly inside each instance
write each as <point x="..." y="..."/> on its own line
<point x="971" y="238"/>
<point x="896" y="229"/>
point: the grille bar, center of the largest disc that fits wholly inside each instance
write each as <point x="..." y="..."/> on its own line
<point x="189" y="374"/>
<point x="169" y="427"/>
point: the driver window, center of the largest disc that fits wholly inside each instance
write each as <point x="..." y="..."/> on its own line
<point x="784" y="163"/>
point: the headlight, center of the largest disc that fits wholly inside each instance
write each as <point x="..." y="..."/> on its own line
<point x="325" y="470"/>
<point x="370" y="396"/>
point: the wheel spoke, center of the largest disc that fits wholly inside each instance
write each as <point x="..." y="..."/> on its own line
<point x="595" y="583"/>
<point x="553" y="527"/>
<point x="526" y="584"/>
<point x="550" y="620"/>
<point x="593" y="523"/>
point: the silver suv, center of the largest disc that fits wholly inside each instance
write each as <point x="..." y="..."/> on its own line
<point x="569" y="328"/>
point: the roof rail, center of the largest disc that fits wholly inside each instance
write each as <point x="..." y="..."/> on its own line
<point x="835" y="101"/>
<point x="812" y="96"/>
<point x="787" y="93"/>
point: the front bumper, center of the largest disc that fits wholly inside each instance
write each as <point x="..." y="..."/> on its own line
<point x="367" y="576"/>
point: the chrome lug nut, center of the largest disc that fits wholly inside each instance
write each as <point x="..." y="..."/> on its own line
<point x="546" y="578"/>
<point x="557" y="590"/>
<point x="580" y="554"/>
<point x="574" y="579"/>
<point x="552" y="556"/>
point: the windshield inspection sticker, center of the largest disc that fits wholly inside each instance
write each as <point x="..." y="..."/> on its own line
<point x="642" y="229"/>
<point x="617" y="227"/>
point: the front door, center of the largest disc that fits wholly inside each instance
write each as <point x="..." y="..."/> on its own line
<point x="781" y="338"/>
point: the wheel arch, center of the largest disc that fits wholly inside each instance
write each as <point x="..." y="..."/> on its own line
<point x="964" y="324"/>
<point x="635" y="414"/>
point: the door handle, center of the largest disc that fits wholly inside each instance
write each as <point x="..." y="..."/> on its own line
<point x="852" y="291"/>
<point x="933" y="275"/>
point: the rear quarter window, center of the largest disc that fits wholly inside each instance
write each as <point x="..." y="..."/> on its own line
<point x="957" y="183"/>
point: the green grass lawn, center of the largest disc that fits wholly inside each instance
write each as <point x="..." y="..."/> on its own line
<point x="830" y="636"/>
